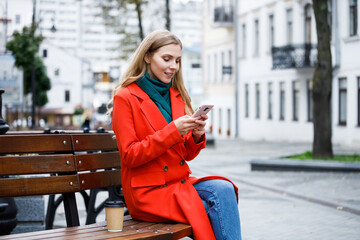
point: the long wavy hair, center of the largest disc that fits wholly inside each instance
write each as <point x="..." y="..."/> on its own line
<point x="137" y="65"/>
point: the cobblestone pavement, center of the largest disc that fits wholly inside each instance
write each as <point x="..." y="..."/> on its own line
<point x="280" y="205"/>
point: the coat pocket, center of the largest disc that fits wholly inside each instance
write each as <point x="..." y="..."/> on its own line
<point x="148" y="179"/>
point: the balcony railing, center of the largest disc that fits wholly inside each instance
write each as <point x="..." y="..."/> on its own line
<point x="223" y="15"/>
<point x="294" y="56"/>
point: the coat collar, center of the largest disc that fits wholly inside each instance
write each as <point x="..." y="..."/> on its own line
<point x="151" y="111"/>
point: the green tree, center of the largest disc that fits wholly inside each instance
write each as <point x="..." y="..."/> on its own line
<point x="25" y="46"/>
<point x="322" y="84"/>
<point x="117" y="15"/>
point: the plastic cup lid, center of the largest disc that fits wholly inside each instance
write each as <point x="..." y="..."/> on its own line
<point x="114" y="204"/>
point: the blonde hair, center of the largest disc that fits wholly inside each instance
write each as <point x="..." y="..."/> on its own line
<point x="137" y="65"/>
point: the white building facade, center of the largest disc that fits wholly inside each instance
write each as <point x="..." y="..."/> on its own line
<point x="277" y="51"/>
<point x="65" y="93"/>
<point x="218" y="58"/>
<point x="78" y="27"/>
<point x="186" y="23"/>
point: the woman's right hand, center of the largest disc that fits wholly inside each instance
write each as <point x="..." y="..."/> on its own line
<point x="185" y="123"/>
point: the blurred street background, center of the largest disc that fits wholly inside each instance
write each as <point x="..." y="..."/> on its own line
<point x="282" y="75"/>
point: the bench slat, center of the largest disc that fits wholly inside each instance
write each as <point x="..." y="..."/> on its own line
<point x="95" y="161"/>
<point x="133" y="229"/>
<point x="88" y="142"/>
<point x="15" y="165"/>
<point x="35" y="143"/>
<point x="16" y="187"/>
<point x="100" y="179"/>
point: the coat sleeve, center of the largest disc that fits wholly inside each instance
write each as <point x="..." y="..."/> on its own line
<point x="192" y="148"/>
<point x="134" y="151"/>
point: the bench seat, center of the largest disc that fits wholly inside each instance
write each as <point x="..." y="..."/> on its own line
<point x="132" y="230"/>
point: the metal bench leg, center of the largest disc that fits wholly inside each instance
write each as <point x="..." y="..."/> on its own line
<point x="71" y="212"/>
<point x="86" y="199"/>
<point x="51" y="210"/>
<point x="92" y="211"/>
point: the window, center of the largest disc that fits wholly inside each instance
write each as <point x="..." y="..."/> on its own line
<point x="44" y="53"/>
<point x="342" y="101"/>
<point x="230" y="61"/>
<point x="243" y="48"/>
<point x="270" y="101"/>
<point x="57" y="72"/>
<point x="295" y="90"/>
<point x="220" y="120"/>
<point x="209" y="67"/>
<point x="215" y="67"/>
<point x="289" y="26"/>
<point x="353" y="17"/>
<point x="308" y="11"/>
<point x="228" y="122"/>
<point x="257" y="100"/>
<point x="222" y="65"/>
<point x="330" y="12"/>
<point x="17" y="19"/>
<point x="211" y="121"/>
<point x="230" y="58"/>
<point x="282" y="101"/>
<point x="271" y="32"/>
<point x="358" y="101"/>
<point x="309" y="100"/>
<point x="257" y="36"/>
<point x="246" y="100"/>
<point x="67" y="96"/>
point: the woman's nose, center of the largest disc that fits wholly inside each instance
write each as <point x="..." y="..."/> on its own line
<point x="173" y="65"/>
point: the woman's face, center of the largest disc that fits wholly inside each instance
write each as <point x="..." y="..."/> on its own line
<point x="164" y="62"/>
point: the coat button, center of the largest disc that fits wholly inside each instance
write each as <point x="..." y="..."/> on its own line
<point x="183" y="180"/>
<point x="166" y="168"/>
<point x="182" y="162"/>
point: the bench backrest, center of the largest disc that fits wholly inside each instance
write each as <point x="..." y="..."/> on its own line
<point x="39" y="164"/>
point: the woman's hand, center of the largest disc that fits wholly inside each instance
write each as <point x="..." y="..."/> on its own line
<point x="186" y="123"/>
<point x="200" y="130"/>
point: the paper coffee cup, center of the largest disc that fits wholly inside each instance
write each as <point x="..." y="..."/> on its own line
<point x="114" y="212"/>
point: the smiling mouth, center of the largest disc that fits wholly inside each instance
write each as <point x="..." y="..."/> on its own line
<point x="169" y="74"/>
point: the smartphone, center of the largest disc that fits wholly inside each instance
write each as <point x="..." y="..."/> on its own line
<point x="203" y="109"/>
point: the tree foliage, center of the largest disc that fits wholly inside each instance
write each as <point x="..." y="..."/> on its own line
<point x="322" y="83"/>
<point x="132" y="19"/>
<point x="25" y="46"/>
<point x="120" y="15"/>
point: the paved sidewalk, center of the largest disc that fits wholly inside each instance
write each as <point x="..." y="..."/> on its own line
<point x="279" y="205"/>
<point x="285" y="205"/>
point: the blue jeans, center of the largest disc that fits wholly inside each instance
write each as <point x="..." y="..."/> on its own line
<point x="219" y="199"/>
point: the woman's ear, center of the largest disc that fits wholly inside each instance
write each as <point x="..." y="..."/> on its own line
<point x="147" y="58"/>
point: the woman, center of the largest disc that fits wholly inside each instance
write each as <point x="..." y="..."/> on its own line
<point x="156" y="135"/>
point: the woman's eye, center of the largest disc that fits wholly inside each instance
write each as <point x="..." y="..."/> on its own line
<point x="166" y="59"/>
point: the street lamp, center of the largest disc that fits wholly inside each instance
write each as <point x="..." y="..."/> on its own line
<point x="5" y="20"/>
<point x="33" y="79"/>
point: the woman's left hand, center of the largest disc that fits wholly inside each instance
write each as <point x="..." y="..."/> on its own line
<point x="200" y="129"/>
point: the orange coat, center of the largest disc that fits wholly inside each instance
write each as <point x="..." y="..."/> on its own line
<point x="155" y="175"/>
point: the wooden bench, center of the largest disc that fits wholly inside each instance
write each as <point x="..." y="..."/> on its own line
<point x="42" y="164"/>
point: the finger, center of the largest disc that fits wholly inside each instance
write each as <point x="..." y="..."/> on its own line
<point x="204" y="117"/>
<point x="201" y="122"/>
